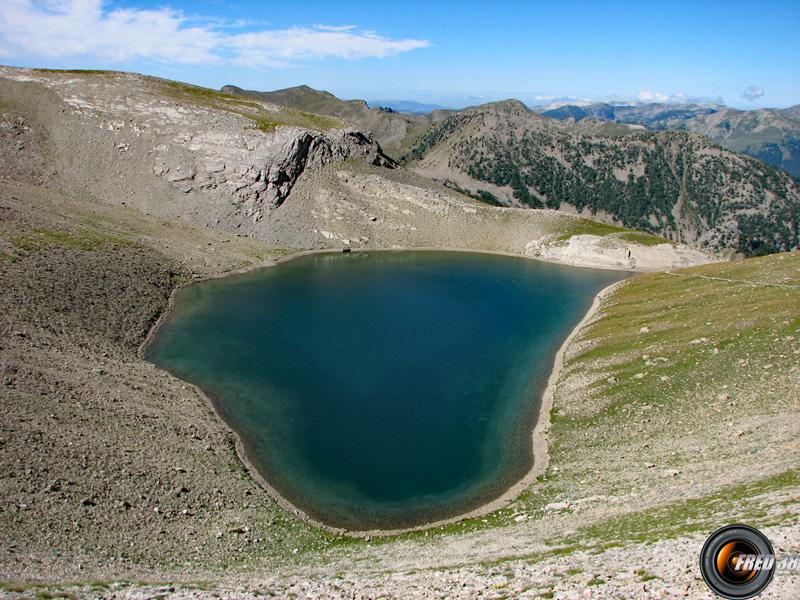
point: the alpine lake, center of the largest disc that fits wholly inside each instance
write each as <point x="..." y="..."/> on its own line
<point x="381" y="389"/>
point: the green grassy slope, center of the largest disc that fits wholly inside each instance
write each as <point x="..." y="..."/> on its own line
<point x="681" y="373"/>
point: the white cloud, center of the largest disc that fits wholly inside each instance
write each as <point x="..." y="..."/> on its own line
<point x="752" y="92"/>
<point x="677" y="98"/>
<point x="314" y="42"/>
<point x="648" y="96"/>
<point x="88" y="29"/>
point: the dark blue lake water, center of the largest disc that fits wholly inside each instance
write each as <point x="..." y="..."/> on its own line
<point x="381" y="389"/>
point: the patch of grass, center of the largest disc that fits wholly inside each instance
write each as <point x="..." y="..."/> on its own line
<point x="588" y="227"/>
<point x="678" y="518"/>
<point x="17" y="588"/>
<point x="266" y="125"/>
<point x="81" y="71"/>
<point x="265" y="120"/>
<point x="91" y="241"/>
<point x="205" y="96"/>
<point x="643" y="239"/>
<point x="312" y="121"/>
<point x="596" y="581"/>
<point x="47" y="595"/>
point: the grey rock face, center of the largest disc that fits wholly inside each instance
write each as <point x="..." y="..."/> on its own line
<point x="208" y="165"/>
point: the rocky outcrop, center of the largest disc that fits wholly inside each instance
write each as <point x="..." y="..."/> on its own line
<point x="260" y="176"/>
<point x="614" y="253"/>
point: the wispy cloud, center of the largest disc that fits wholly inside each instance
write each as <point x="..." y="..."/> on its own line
<point x="89" y="29"/>
<point x="676" y="98"/>
<point x="302" y="43"/>
<point x="752" y="92"/>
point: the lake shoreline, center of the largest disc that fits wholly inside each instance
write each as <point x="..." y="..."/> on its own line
<point x="541" y="420"/>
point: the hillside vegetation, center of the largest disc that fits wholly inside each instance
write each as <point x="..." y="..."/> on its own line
<point x="673" y="184"/>
<point x="771" y="135"/>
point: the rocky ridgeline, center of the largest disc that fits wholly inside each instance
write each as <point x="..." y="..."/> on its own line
<point x="211" y="162"/>
<point x="257" y="171"/>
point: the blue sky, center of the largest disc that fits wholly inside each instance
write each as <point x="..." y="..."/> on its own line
<point x="453" y="53"/>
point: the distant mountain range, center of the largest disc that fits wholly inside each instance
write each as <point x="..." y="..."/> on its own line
<point x="408" y="106"/>
<point x="772" y="135"/>
<point x="655" y="167"/>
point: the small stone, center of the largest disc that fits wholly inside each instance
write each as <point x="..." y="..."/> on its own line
<point x="558" y="506"/>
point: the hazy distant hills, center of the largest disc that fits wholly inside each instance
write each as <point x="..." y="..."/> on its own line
<point x="651" y="115"/>
<point x="772" y="135"/>
<point x="408" y="106"/>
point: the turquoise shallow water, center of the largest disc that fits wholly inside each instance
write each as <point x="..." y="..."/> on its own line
<point x="381" y="389"/>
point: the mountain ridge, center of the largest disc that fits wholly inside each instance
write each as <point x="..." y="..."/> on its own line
<point x="676" y="184"/>
<point x="620" y="172"/>
<point x="771" y="135"/>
